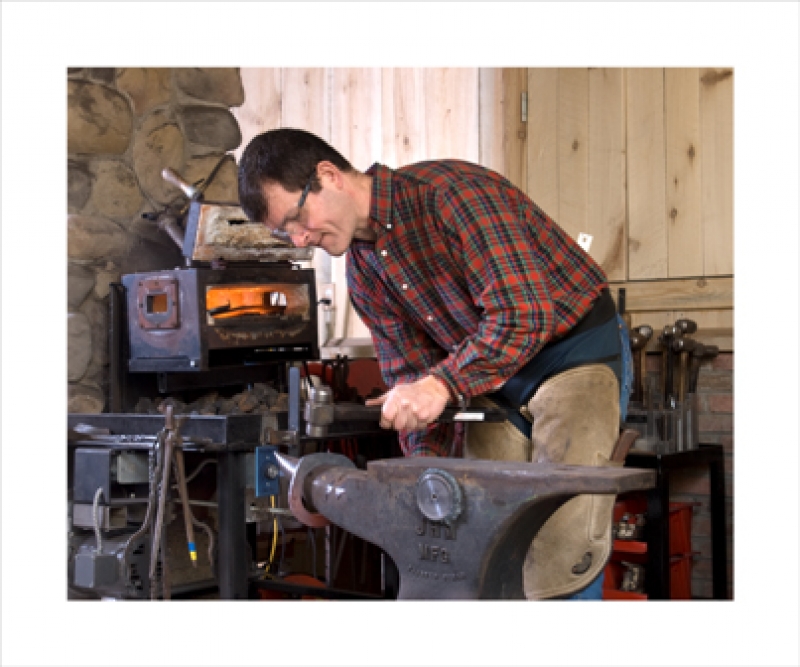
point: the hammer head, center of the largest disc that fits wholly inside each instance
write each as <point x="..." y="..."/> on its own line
<point x="683" y="344"/>
<point x="637" y="341"/>
<point x="686" y="326"/>
<point x="645" y="330"/>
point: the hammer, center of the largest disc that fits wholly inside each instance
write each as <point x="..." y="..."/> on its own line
<point x="646" y="331"/>
<point x="686" y="326"/>
<point x="669" y="334"/>
<point x="683" y="347"/>
<point x="700" y="354"/>
<point x="320" y="412"/>
<point x="638" y="343"/>
<point x="694" y="366"/>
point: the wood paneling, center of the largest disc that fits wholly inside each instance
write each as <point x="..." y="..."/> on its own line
<point x="261" y="110"/>
<point x="492" y="102"/>
<point x="716" y="106"/>
<point x="699" y="293"/>
<point x="515" y="157"/>
<point x="542" y="140"/>
<point x="684" y="173"/>
<point x="646" y="175"/>
<point x="606" y="199"/>
<point x="306" y="100"/>
<point x="403" y="113"/>
<point x="573" y="150"/>
<point x="451" y="113"/>
<point x="356" y="129"/>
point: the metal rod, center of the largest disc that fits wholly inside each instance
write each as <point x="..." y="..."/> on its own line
<point x="115" y="373"/>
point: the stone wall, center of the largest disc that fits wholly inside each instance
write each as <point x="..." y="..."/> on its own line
<point x="124" y="126"/>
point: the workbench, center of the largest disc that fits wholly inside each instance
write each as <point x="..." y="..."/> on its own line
<point x="657" y="532"/>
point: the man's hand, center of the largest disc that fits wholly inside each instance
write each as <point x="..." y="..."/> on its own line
<point x="411" y="407"/>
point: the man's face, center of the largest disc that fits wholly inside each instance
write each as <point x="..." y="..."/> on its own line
<point x="320" y="219"/>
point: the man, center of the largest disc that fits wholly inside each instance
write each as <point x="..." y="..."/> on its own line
<point x="471" y="293"/>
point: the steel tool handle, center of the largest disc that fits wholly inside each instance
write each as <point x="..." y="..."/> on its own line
<point x="357" y="412"/>
<point x="173" y="177"/>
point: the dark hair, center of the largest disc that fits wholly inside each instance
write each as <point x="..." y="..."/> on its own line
<point x="285" y="156"/>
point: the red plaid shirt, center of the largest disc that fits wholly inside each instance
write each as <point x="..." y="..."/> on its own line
<point x="468" y="279"/>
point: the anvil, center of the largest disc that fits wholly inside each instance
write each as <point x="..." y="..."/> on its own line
<point x="455" y="528"/>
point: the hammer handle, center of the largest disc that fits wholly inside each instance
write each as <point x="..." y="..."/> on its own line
<point x="357" y="412"/>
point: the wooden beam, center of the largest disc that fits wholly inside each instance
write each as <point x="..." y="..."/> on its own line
<point x="542" y="140"/>
<point x="676" y="294"/>
<point x="661" y="302"/>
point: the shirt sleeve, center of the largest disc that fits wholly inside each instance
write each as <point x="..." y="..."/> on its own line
<point x="499" y="248"/>
<point x="405" y="354"/>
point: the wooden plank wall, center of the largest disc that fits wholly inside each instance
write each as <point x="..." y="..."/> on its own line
<point x="390" y="115"/>
<point x="642" y="159"/>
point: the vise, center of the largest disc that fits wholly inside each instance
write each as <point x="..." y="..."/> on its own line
<point x="455" y="528"/>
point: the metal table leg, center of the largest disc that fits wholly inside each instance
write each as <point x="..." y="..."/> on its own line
<point x="657" y="574"/>
<point x="719" y="555"/>
<point x="232" y="559"/>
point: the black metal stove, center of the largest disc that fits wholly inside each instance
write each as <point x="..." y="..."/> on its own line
<point x="239" y="299"/>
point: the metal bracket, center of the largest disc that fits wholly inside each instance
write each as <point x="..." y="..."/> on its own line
<point x="267" y="472"/>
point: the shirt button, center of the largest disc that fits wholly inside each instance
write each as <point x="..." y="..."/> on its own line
<point x="405" y="286"/>
<point x="430" y="318"/>
<point x="384" y="253"/>
<point x="388" y="226"/>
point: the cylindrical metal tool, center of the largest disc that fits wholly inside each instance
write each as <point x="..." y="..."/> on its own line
<point x="683" y="348"/>
<point x="694" y="366"/>
<point x="646" y="331"/>
<point x="667" y="363"/>
<point x="320" y="412"/>
<point x="686" y="326"/>
<point x="173" y="177"/>
<point x="638" y="343"/>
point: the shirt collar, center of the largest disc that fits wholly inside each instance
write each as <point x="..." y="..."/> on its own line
<point x="380" y="213"/>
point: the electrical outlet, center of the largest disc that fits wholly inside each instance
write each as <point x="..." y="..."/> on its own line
<point x="328" y="292"/>
<point x="585" y="241"/>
